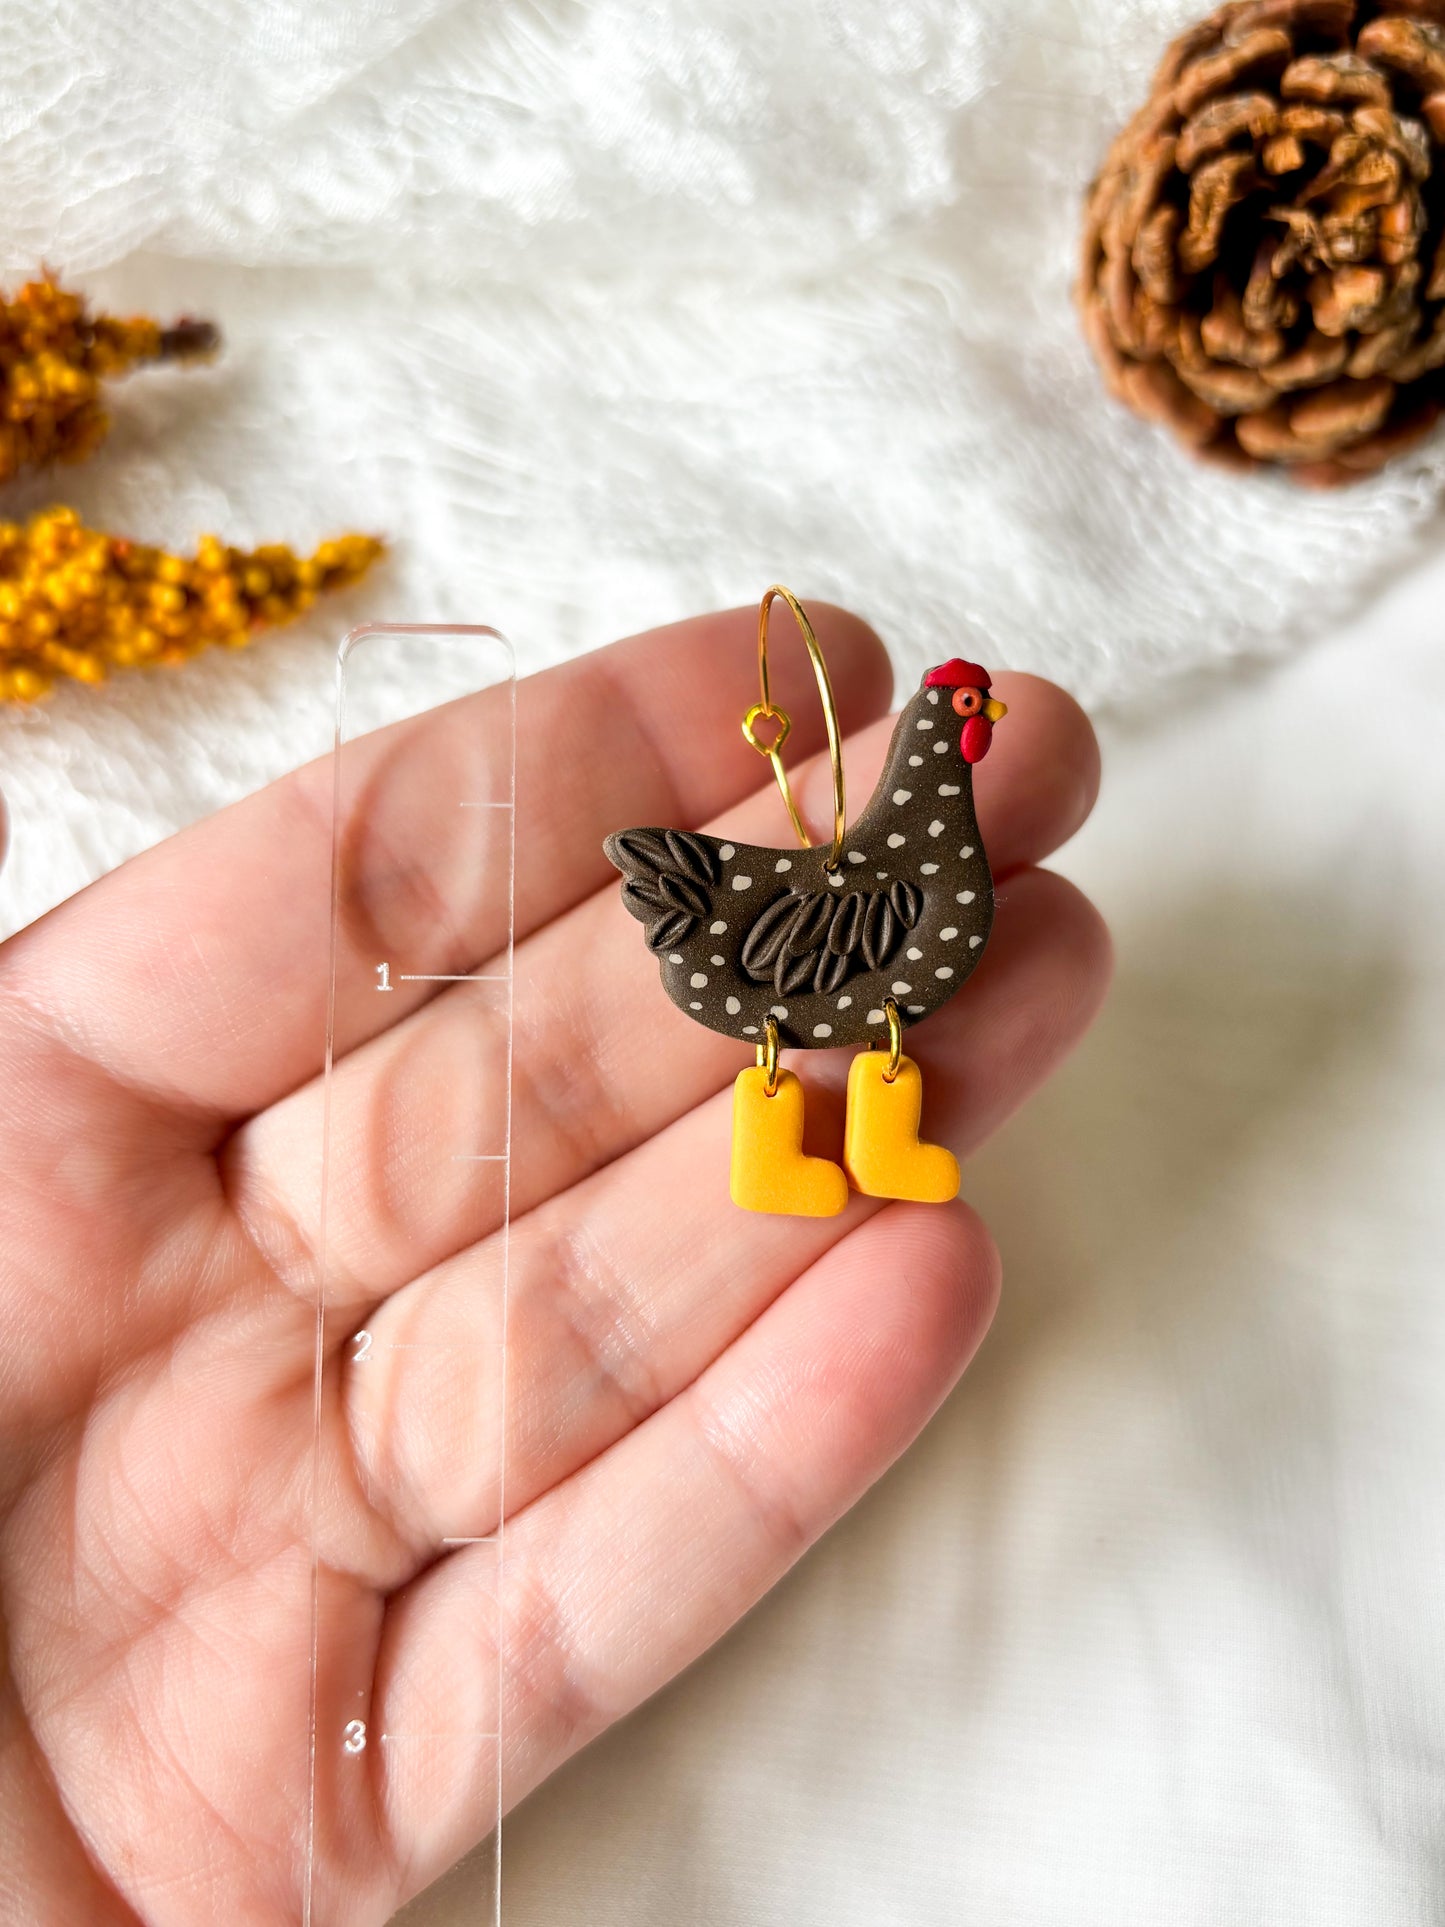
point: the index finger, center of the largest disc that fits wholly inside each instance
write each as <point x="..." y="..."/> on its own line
<point x="197" y="974"/>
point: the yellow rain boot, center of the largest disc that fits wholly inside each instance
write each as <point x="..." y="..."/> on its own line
<point x="881" y="1147"/>
<point x="770" y="1171"/>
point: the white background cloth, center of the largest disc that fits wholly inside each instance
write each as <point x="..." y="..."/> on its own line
<point x="608" y="312"/>
<point x="605" y="313"/>
<point x="1146" y="1628"/>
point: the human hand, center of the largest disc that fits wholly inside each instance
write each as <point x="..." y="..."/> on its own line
<point x="695" y="1393"/>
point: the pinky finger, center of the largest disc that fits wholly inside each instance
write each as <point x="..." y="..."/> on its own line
<point x="625" y="1573"/>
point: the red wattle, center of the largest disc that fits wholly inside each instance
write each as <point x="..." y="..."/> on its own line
<point x="976" y="737"/>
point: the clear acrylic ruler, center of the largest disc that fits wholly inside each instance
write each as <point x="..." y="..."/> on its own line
<point x="419" y="1014"/>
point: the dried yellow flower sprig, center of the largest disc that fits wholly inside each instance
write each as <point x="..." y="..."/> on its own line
<point x="54" y="355"/>
<point x="78" y="603"/>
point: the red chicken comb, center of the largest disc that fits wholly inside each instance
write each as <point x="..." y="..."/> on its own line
<point x="958" y="674"/>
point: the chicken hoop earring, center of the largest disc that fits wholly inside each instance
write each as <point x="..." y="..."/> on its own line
<point x="814" y="949"/>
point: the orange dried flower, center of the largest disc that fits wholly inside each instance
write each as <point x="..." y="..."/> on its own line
<point x="54" y="356"/>
<point x="78" y="603"/>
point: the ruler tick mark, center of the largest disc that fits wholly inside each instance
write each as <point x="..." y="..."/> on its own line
<point x="450" y="977"/>
<point x="456" y="1734"/>
<point x="433" y="1345"/>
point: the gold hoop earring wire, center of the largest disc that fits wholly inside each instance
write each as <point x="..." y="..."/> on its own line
<point x="895" y="1040"/>
<point x="765" y="709"/>
<point x="768" y="1057"/>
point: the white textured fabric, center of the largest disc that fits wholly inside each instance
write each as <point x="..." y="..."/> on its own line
<point x="1145" y="1631"/>
<point x="607" y="313"/>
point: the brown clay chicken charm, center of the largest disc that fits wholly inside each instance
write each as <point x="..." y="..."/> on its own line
<point x="812" y="949"/>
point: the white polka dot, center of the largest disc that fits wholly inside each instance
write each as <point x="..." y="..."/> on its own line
<point x="974" y="942"/>
<point x="935" y="828"/>
<point x="949" y="934"/>
<point x="966" y="852"/>
<point x="915" y="1010"/>
<point x="946" y="971"/>
<point x="822" y="1030"/>
<point x="928" y="869"/>
<point x="875" y="1017"/>
<point x="896" y="842"/>
<point x="941" y="749"/>
<point x="698" y="979"/>
<point x="925" y="722"/>
<point x="783" y="863"/>
<point x="903" y="796"/>
<point x="914" y="955"/>
<point x="694" y="1006"/>
<point x="933" y="696"/>
<point x="726" y="852"/>
<point x="856" y="856"/>
<point x="964" y="896"/>
<point x="778" y="1010"/>
<point x="948" y="789"/>
<point x="900" y="989"/>
<point x="844" y="1003"/>
<point x="742" y="883"/>
<point x="732" y="1006"/>
<point x="915" y="762"/>
<point x="835" y="877"/>
<point x="750" y="1030"/>
<point x="882" y="875"/>
<point x="716" y="929"/>
<point x="717" y="963"/>
<point x="674" y="958"/>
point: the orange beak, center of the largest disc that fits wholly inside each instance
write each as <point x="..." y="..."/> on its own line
<point x="995" y="711"/>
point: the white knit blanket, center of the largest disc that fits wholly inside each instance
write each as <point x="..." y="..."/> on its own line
<point x="606" y="313"/>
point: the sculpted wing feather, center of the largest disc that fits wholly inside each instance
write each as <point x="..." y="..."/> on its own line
<point x="764" y="942"/>
<point x="820" y="939"/>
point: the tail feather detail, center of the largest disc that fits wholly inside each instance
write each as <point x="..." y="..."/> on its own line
<point x="667" y="877"/>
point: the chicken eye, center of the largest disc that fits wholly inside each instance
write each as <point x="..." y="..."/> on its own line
<point x="967" y="702"/>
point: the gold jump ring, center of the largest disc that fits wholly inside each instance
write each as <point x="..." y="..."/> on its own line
<point x="765" y="708"/>
<point x="768" y="1058"/>
<point x="895" y="1040"/>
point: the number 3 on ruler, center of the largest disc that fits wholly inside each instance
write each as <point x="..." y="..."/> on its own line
<point x="353" y="1738"/>
<point x="383" y="977"/>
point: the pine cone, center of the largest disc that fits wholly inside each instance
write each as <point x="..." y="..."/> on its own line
<point x="1264" y="256"/>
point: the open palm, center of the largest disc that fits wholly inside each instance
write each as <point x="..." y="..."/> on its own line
<point x="695" y="1394"/>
